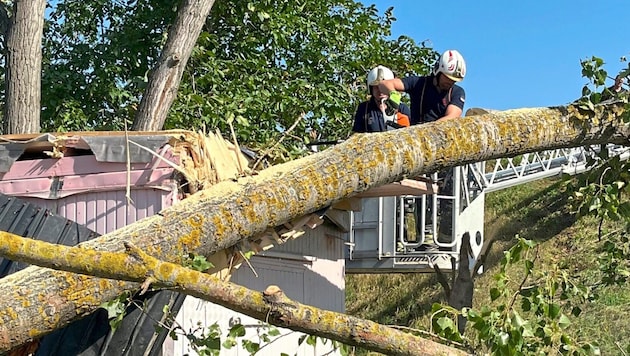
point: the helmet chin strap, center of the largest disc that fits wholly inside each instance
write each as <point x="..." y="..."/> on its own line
<point x="436" y="80"/>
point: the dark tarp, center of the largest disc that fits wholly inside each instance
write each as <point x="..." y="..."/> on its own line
<point x="91" y="335"/>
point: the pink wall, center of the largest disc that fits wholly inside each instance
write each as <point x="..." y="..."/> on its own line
<point x="92" y="193"/>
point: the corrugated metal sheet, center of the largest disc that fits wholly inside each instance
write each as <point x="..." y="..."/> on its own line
<point x="27" y="219"/>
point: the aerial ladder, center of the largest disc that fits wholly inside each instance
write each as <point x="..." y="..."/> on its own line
<point x="383" y="238"/>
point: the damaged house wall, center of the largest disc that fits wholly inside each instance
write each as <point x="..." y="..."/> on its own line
<point x="103" y="181"/>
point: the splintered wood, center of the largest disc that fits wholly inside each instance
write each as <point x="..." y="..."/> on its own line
<point x="227" y="260"/>
<point x="208" y="159"/>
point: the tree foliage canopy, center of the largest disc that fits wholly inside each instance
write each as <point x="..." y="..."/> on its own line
<point x="260" y="65"/>
<point x="96" y="58"/>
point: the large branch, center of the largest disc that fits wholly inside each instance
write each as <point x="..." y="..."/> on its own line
<point x="41" y="300"/>
<point x="164" y="80"/>
<point x="271" y="306"/>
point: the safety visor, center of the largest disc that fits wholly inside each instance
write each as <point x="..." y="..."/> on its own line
<point x="453" y="78"/>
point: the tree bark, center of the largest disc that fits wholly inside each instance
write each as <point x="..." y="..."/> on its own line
<point x="460" y="293"/>
<point x="41" y="300"/>
<point x="167" y="74"/>
<point x="24" y="67"/>
<point x="271" y="305"/>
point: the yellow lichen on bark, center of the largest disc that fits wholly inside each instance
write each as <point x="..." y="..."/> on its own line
<point x="79" y="289"/>
<point x="192" y="240"/>
<point x="280" y="311"/>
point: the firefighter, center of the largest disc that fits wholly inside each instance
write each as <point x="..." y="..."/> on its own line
<point x="434" y="97"/>
<point x="370" y="115"/>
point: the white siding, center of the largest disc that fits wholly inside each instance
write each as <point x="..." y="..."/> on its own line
<point x="307" y="279"/>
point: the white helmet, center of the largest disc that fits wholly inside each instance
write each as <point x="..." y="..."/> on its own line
<point x="451" y="64"/>
<point x="377" y="74"/>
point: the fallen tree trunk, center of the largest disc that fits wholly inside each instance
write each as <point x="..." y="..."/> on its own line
<point x="38" y="300"/>
<point x="271" y="305"/>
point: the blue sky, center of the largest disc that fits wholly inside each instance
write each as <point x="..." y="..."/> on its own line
<point x="520" y="53"/>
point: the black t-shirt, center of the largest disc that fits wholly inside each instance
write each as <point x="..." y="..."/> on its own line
<point x="427" y="103"/>
<point x="369" y="117"/>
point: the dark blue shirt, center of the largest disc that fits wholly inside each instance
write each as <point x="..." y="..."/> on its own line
<point x="427" y="102"/>
<point x="369" y="117"/>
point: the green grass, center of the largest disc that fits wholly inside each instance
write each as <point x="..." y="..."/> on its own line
<point x="537" y="211"/>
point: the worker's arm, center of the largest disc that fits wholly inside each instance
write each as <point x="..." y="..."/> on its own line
<point x="392" y="88"/>
<point x="386" y="86"/>
<point x="452" y="112"/>
<point x="455" y="106"/>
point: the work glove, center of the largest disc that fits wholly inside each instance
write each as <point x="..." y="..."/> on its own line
<point x="392" y="103"/>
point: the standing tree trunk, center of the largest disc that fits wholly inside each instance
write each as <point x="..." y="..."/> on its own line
<point x="165" y="77"/>
<point x="24" y="67"/>
<point x="39" y="300"/>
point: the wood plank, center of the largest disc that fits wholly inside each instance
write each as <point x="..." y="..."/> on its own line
<point x="348" y="204"/>
<point x="404" y="187"/>
<point x="314" y="221"/>
<point x="339" y="218"/>
<point x="420" y="186"/>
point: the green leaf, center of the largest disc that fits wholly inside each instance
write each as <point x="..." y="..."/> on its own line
<point x="595" y="204"/>
<point x="198" y="263"/>
<point x="624" y="210"/>
<point x="530" y="243"/>
<point x="115" y="322"/>
<point x="529" y="266"/>
<point x="114" y="308"/>
<point x="251" y="347"/>
<point x="446" y="323"/>
<point x="228" y="343"/>
<point x="273" y="331"/>
<point x="517" y="320"/>
<point x="591" y="349"/>
<point x="237" y="330"/>
<point x="435" y="307"/>
<point x="554" y="310"/>
<point x="494" y="294"/>
<point x="214" y="343"/>
<point x="564" y="321"/>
